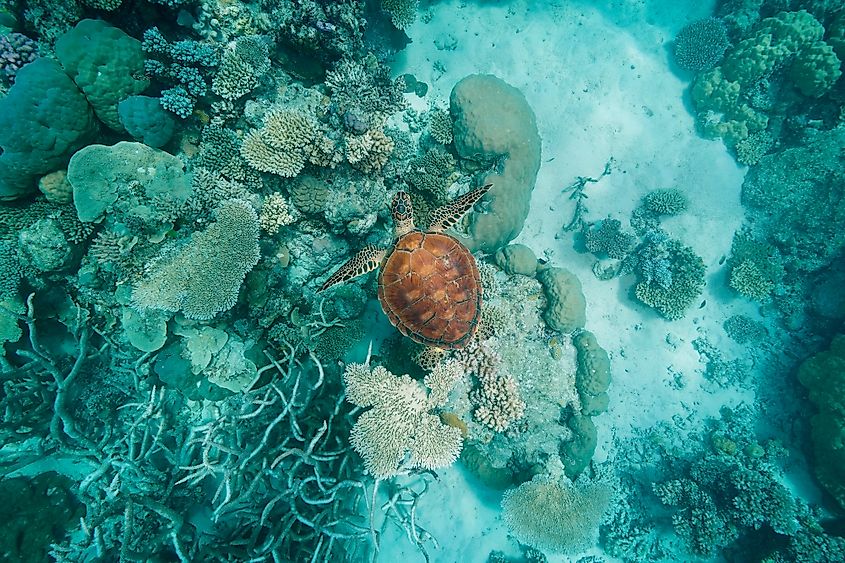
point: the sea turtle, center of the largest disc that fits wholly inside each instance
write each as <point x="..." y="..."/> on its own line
<point x="428" y="283"/>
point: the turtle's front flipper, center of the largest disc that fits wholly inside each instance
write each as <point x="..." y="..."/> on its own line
<point x="447" y="215"/>
<point x="368" y="259"/>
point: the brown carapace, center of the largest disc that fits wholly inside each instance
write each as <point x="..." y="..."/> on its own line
<point x="428" y="284"/>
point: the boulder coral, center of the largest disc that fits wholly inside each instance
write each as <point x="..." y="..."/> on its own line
<point x="493" y="122"/>
<point x="44" y="118"/>
<point x="824" y="376"/>
<point x="105" y="63"/>
<point x="566" y="308"/>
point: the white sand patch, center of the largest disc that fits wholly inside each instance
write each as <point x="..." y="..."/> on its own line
<point x="599" y="79"/>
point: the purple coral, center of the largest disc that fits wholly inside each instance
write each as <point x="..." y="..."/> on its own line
<point x="16" y="50"/>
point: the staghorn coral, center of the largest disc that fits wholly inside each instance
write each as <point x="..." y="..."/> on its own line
<point x="398" y="431"/>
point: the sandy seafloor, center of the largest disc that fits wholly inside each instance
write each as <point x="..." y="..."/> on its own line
<point x="600" y="79"/>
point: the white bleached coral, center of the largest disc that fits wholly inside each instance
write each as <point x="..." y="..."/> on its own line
<point x="399" y="431"/>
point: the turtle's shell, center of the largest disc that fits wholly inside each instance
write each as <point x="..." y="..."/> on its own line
<point x="430" y="289"/>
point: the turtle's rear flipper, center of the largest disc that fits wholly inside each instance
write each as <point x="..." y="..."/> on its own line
<point x="368" y="259"/>
<point x="448" y="215"/>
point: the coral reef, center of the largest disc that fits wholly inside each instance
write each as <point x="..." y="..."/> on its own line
<point x="44" y="118"/>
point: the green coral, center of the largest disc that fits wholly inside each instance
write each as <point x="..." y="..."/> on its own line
<point x="105" y="63"/>
<point x="754" y="147"/>
<point x="44" y="118"/>
<point x="824" y="375"/>
<point x="721" y="113"/>
<point x="743" y="329"/>
<point x="701" y="44"/>
<point x="815" y="69"/>
<point x="402" y="12"/>
<point x="608" y="238"/>
<point x="440" y="126"/>
<point x="749" y="280"/>
<point x="755" y="267"/>
<point x="670" y="201"/>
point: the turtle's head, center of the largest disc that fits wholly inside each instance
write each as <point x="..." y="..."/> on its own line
<point x="403" y="213"/>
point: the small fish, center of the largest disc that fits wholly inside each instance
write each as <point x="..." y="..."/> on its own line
<point x="722" y="259"/>
<point x="703" y="303"/>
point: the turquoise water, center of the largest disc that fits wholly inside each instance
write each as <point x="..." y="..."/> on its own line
<point x="446" y="281"/>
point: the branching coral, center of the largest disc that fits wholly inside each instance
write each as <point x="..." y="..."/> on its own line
<point x="283" y="144"/>
<point x="496" y="398"/>
<point x="241" y="66"/>
<point x="671" y="276"/>
<point x="365" y="89"/>
<point x="369" y="152"/>
<point x="402" y="12"/>
<point x="275" y="214"/>
<point x="607" y="238"/>
<point x="399" y="432"/>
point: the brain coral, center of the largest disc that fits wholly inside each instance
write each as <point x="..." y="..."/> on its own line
<point x="494" y="121"/>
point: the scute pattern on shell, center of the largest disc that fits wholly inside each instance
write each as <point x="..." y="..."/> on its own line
<point x="430" y="289"/>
